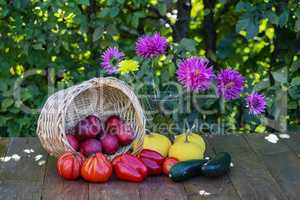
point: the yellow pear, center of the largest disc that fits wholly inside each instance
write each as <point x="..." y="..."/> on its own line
<point x="158" y="143"/>
<point x="186" y="151"/>
<point x="192" y="137"/>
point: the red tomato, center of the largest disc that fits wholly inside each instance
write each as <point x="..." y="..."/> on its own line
<point x="168" y="163"/>
<point x="96" y="168"/>
<point x="68" y="165"/>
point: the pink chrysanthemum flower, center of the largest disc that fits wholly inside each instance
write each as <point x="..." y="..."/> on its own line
<point x="150" y="46"/>
<point x="111" y="59"/>
<point x="230" y="84"/>
<point x="195" y="74"/>
<point x="256" y="103"/>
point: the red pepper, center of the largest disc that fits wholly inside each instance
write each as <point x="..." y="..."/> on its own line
<point x="130" y="168"/>
<point x="152" y="155"/>
<point x="153" y="167"/>
<point x="153" y="161"/>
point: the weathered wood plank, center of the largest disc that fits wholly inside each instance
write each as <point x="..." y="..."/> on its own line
<point x="20" y="190"/>
<point x="207" y="188"/>
<point x="263" y="146"/>
<point x="114" y="189"/>
<point x="249" y="175"/>
<point x="25" y="160"/>
<point x="161" y="188"/>
<point x="56" y="187"/>
<point x="294" y="143"/>
<point x="283" y="165"/>
<point x="22" y="169"/>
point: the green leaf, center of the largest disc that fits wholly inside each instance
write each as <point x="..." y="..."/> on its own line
<point x="280" y="76"/>
<point x="297" y="13"/>
<point x="97" y="33"/>
<point x="38" y="46"/>
<point x="295" y="66"/>
<point x="3" y="120"/>
<point x="6" y="103"/>
<point x="5" y="12"/>
<point x="248" y="23"/>
<point x="114" y="11"/>
<point x="26" y="95"/>
<point x="292" y="105"/>
<point x="297" y="25"/>
<point x="84" y="2"/>
<point x="260" y="129"/>
<point x="171" y="69"/>
<point x="283" y="18"/>
<point x="294" y="93"/>
<point x="206" y="11"/>
<point x="272" y="17"/>
<point x="242" y="6"/>
<point x="4" y="86"/>
<point x="20" y="4"/>
<point x="188" y="44"/>
<point x="295" y="81"/>
<point x="162" y="8"/>
<point x="265" y="83"/>
<point x="135" y="19"/>
<point x="104" y="12"/>
<point x="242" y="24"/>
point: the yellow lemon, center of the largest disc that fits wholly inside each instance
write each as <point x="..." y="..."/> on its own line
<point x="186" y="151"/>
<point x="158" y="143"/>
<point x="193" y="137"/>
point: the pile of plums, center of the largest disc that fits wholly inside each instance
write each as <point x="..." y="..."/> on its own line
<point x="89" y="136"/>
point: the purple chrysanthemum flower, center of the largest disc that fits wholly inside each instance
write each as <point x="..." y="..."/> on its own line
<point x="256" y="103"/>
<point x="150" y="46"/>
<point x="195" y="74"/>
<point x="111" y="59"/>
<point x="230" y="84"/>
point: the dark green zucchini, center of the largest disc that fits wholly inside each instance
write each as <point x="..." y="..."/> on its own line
<point x="186" y="169"/>
<point x="218" y="166"/>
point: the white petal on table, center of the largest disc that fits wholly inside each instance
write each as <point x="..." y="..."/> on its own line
<point x="284" y="136"/>
<point x="272" y="138"/>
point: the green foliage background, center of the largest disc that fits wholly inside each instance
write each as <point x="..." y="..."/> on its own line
<point x="61" y="41"/>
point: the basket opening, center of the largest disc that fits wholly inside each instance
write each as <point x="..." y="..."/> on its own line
<point x="102" y="102"/>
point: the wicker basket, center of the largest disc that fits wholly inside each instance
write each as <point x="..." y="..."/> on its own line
<point x="99" y="96"/>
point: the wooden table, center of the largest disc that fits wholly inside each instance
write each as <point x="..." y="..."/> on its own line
<point x="262" y="171"/>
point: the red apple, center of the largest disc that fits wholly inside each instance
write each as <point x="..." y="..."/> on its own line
<point x="90" y="146"/>
<point x="110" y="144"/>
<point x="89" y="127"/>
<point x="73" y="142"/>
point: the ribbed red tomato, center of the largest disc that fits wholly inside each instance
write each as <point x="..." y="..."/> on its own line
<point x="96" y="168"/>
<point x="69" y="165"/>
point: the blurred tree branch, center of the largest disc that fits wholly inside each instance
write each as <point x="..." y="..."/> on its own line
<point x="181" y="27"/>
<point x="210" y="30"/>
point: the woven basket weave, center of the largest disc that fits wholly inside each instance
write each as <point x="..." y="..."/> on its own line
<point x="102" y="97"/>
